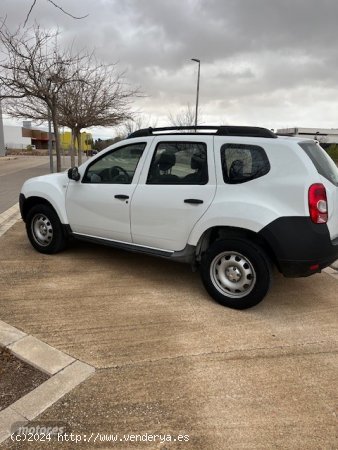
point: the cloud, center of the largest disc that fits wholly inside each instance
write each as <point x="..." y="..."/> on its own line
<point x="265" y="62"/>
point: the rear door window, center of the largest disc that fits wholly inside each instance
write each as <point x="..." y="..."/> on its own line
<point x="321" y="160"/>
<point x="179" y="163"/>
<point x="243" y="162"/>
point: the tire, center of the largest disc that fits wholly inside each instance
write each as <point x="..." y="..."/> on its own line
<point x="44" y="229"/>
<point x="236" y="273"/>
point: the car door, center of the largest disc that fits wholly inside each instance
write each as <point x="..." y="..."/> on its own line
<point x="99" y="204"/>
<point x="176" y="187"/>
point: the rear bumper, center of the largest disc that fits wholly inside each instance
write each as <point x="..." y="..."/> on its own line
<point x="305" y="268"/>
<point x="301" y="248"/>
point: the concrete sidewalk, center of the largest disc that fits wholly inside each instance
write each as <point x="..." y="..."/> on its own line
<point x="171" y="361"/>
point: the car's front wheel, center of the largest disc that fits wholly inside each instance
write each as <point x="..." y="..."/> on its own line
<point x="44" y="229"/>
<point x="236" y="273"/>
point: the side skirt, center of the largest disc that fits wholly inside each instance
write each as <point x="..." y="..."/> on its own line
<point x="187" y="255"/>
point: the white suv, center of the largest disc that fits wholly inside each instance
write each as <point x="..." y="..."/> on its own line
<point x="231" y="200"/>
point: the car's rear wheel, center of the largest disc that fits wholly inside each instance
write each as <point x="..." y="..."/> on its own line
<point x="44" y="229"/>
<point x="236" y="273"/>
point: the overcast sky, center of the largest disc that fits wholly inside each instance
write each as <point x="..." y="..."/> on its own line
<point x="270" y="63"/>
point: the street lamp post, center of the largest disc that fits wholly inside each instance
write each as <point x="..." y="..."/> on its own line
<point x="50" y="142"/>
<point x="198" y="87"/>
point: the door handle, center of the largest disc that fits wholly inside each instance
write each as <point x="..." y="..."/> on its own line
<point x="194" y="201"/>
<point x="122" y="197"/>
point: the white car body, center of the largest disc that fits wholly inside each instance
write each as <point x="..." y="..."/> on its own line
<point x="154" y="218"/>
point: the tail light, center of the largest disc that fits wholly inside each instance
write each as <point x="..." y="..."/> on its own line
<point x="318" y="203"/>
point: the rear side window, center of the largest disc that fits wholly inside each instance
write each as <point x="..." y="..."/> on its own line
<point x="322" y="161"/>
<point x="243" y="162"/>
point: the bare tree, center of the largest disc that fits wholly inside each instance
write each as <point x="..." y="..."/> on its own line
<point x="2" y="137"/>
<point x="56" y="5"/>
<point x="26" y="108"/>
<point x="32" y="66"/>
<point x="184" y="118"/>
<point x="136" y="123"/>
<point x="99" y="97"/>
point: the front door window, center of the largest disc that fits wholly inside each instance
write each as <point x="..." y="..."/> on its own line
<point x="115" y="167"/>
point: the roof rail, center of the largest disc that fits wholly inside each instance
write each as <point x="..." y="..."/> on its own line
<point x="220" y="130"/>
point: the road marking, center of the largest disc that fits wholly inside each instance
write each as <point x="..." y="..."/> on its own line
<point x="9" y="218"/>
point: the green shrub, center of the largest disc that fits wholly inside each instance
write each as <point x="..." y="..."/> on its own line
<point x="332" y="150"/>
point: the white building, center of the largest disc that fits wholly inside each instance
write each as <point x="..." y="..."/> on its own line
<point x="19" y="137"/>
<point x="14" y="138"/>
<point x="323" y="135"/>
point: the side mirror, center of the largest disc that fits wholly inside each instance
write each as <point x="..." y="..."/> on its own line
<point x="73" y="174"/>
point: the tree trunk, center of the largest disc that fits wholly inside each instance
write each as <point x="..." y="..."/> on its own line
<point x="72" y="150"/>
<point x="57" y="140"/>
<point x="79" y="150"/>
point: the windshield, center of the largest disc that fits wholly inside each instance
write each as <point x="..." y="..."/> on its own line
<point x="321" y="160"/>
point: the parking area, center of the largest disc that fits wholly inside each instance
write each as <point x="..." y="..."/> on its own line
<point x="168" y="359"/>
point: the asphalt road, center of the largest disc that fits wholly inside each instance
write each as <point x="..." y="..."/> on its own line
<point x="14" y="172"/>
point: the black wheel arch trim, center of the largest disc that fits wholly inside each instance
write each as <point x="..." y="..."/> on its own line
<point x="34" y="200"/>
<point x="22" y="200"/>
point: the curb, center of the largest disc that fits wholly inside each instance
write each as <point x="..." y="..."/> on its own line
<point x="7" y="158"/>
<point x="66" y="373"/>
